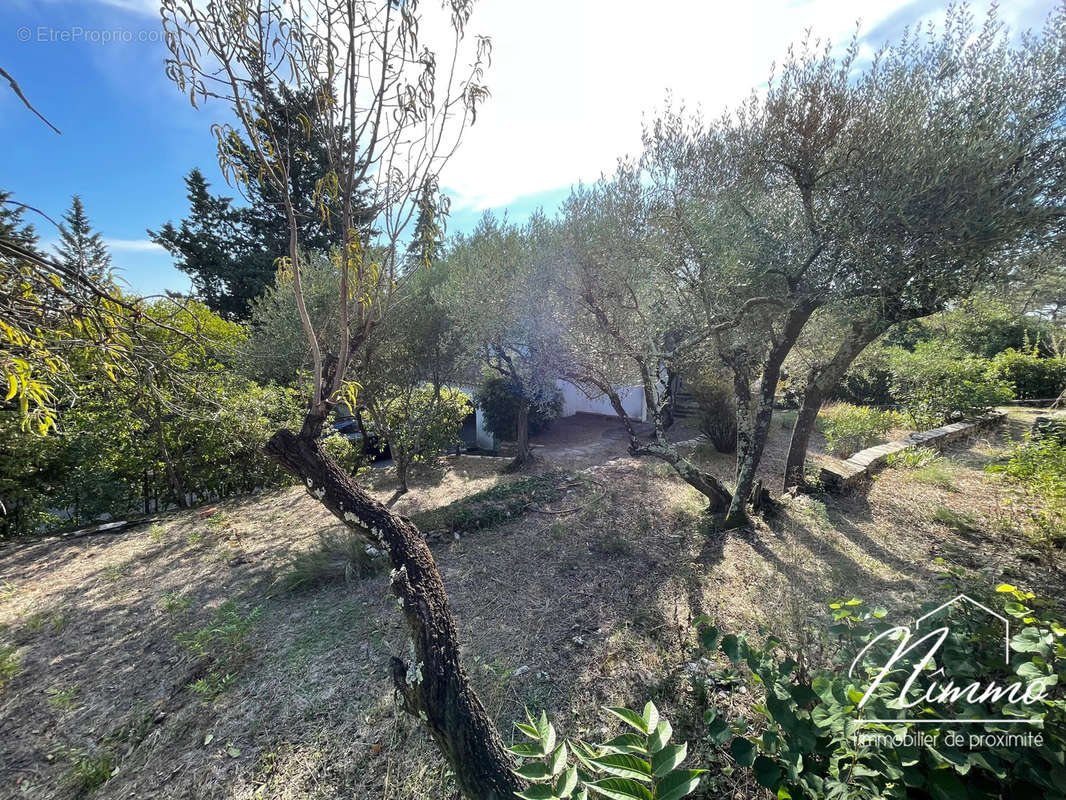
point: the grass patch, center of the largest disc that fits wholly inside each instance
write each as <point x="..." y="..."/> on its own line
<point x="175" y="602"/>
<point x="9" y="664"/>
<point x="62" y="699"/>
<point x="956" y="520"/>
<point x="338" y="555"/>
<point x="223" y="641"/>
<point x="7" y="591"/>
<point x="935" y="474"/>
<point x="89" y="771"/>
<point x="496" y="505"/>
<point x="912" y="458"/>
<point x="114" y="572"/>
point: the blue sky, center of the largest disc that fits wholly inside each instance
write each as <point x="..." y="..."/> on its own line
<point x="571" y="82"/>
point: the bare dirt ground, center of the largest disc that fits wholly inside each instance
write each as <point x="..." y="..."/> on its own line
<point x="564" y="613"/>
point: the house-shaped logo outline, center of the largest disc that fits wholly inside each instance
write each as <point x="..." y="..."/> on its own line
<point x="986" y="609"/>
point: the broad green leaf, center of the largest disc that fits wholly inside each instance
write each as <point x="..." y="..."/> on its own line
<point x="567" y="782"/>
<point x="669" y="758"/>
<point x="537" y="792"/>
<point x="730" y="646"/>
<point x="628" y="743"/>
<point x="659" y="739"/>
<point x="621" y="789"/>
<point x="534" y="771"/>
<point x="767" y="773"/>
<point x="527" y="750"/>
<point x="558" y="759"/>
<point x="678" y="784"/>
<point x="743" y="751"/>
<point x="624" y="765"/>
<point x="528" y="730"/>
<point x="630" y="717"/>
<point x="651" y="716"/>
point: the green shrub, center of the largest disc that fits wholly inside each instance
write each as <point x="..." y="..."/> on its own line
<point x="849" y="429"/>
<point x="937" y="383"/>
<point x="344" y="454"/>
<point x="498" y="399"/>
<point x="1031" y="376"/>
<point x="912" y="458"/>
<point x="718" y="411"/>
<point x="1040" y="466"/>
<point x="90" y="771"/>
<point x="809" y="744"/>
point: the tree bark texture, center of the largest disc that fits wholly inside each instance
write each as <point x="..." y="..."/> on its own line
<point x="433" y="684"/>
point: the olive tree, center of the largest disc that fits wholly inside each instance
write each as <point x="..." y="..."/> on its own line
<point x="955" y="177"/>
<point x="899" y="185"/>
<point x="498" y="291"/>
<point x="390" y="106"/>
<point x="623" y="319"/>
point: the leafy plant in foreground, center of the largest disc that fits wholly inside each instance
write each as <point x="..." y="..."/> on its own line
<point x="638" y="765"/>
<point x="819" y="742"/>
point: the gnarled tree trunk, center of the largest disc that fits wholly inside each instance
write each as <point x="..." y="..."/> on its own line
<point x="819" y="384"/>
<point x="755" y="414"/>
<point x="434" y="686"/>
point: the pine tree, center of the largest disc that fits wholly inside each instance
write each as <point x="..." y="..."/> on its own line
<point x="212" y="246"/>
<point x="230" y="251"/>
<point x="80" y="246"/>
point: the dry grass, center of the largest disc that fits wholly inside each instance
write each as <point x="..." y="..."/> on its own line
<point x="597" y="605"/>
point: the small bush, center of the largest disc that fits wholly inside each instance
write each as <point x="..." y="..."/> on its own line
<point x="1040" y="466"/>
<point x="937" y="383"/>
<point x="498" y="398"/>
<point x="849" y="429"/>
<point x="339" y="555"/>
<point x="344" y="454"/>
<point x="90" y="771"/>
<point x="1031" y="376"/>
<point x="718" y="411"/>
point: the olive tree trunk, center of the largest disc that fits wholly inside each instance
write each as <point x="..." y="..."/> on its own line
<point x="822" y="380"/>
<point x="434" y="686"/>
<point x="522" y="452"/>
<point x="755" y="411"/>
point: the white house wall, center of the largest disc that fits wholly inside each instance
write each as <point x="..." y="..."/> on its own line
<point x="576" y="401"/>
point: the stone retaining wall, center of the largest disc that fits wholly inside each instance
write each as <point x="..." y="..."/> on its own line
<point x="845" y="474"/>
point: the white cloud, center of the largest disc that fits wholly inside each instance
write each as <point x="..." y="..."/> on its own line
<point x="571" y="81"/>
<point x="133" y="246"/>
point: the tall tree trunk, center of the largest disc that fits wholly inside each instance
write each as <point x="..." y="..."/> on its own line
<point x="434" y="686"/>
<point x="820" y="383"/>
<point x="755" y="414"/>
<point x="522" y="454"/>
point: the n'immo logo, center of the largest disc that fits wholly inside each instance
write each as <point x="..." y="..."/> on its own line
<point x="916" y="651"/>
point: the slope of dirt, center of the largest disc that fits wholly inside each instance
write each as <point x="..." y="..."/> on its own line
<point x="562" y="612"/>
